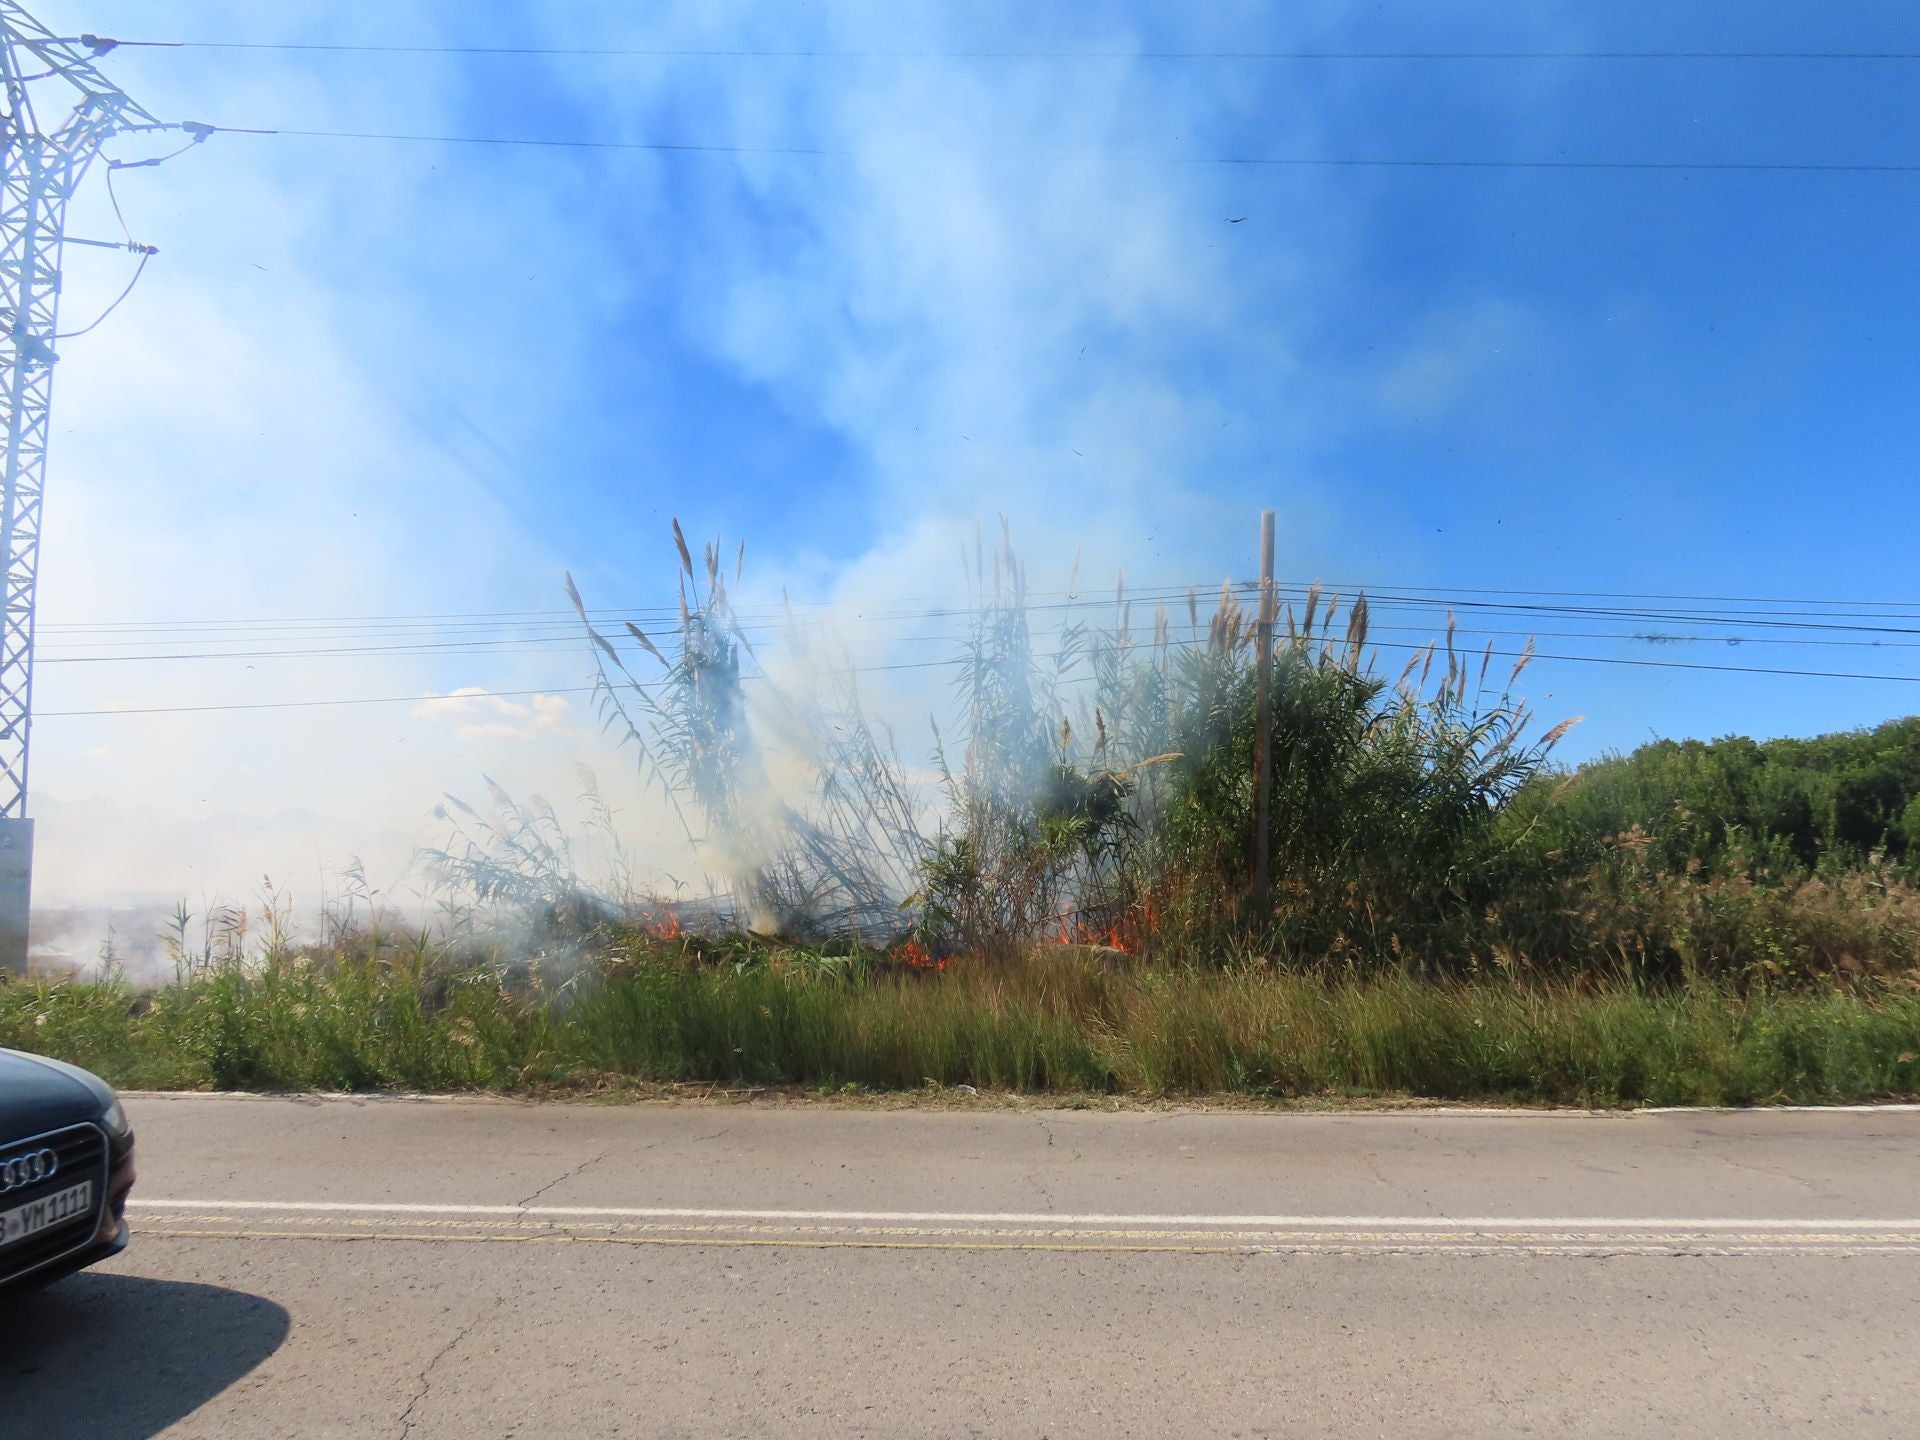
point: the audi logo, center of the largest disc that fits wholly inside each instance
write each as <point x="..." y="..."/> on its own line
<point x="19" y="1171"/>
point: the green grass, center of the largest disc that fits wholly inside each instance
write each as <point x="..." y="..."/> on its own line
<point x="1047" y="1025"/>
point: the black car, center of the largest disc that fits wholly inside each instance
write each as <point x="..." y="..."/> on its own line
<point x="66" y="1165"/>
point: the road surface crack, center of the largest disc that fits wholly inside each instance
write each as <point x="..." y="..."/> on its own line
<point x="1773" y="1171"/>
<point x="1072" y="1154"/>
<point x="558" y="1179"/>
<point x="425" y="1382"/>
<point x="1373" y="1163"/>
<point x="1035" y="1177"/>
<point x="1041" y="1186"/>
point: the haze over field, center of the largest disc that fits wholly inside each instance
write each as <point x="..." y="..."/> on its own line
<point x="388" y="379"/>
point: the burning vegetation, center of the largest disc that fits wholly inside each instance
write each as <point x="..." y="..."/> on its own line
<point x="1099" y="795"/>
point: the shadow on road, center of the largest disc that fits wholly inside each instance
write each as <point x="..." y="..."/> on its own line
<point x="118" y="1357"/>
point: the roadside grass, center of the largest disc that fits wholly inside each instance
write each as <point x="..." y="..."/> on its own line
<point x="1054" y="1023"/>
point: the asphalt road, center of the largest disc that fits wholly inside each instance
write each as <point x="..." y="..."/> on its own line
<point x="465" y="1269"/>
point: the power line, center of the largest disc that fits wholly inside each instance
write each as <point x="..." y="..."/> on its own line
<point x="956" y="604"/>
<point x="1612" y="595"/>
<point x="1782" y="619"/>
<point x="406" y="636"/>
<point x="737" y="53"/>
<point x="401" y="637"/>
<point x="1669" y="664"/>
<point x="573" y="637"/>
<point x="955" y="662"/>
<point x="146" y="254"/>
<point x="1496" y="654"/>
<point x="1276" y="162"/>
<point x="302" y="621"/>
<point x="317" y="704"/>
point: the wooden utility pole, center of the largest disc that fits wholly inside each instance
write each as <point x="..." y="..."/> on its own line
<point x="1263" y="714"/>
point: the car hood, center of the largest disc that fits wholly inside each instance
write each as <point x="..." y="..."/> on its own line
<point x="38" y="1095"/>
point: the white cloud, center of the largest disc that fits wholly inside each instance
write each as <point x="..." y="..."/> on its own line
<point x="480" y="715"/>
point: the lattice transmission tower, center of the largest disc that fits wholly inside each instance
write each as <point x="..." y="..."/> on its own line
<point x="58" y="112"/>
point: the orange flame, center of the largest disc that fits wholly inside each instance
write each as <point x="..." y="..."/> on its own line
<point x="920" y="958"/>
<point x="1130" y="933"/>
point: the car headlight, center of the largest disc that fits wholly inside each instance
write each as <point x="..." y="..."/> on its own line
<point x="114" y="1119"/>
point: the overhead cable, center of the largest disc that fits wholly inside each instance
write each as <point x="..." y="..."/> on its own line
<point x="1311" y="162"/>
<point x="1078" y="597"/>
<point x="315" y="704"/>
<point x="822" y="53"/>
<point x="953" y="662"/>
<point x="573" y="637"/>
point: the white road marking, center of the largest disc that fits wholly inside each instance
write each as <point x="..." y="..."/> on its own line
<point x="1408" y="1110"/>
<point x="1075" y="1244"/>
<point x="1304" y="1223"/>
<point x="582" y="1228"/>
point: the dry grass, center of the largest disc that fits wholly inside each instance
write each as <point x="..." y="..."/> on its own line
<point x="1058" y="1024"/>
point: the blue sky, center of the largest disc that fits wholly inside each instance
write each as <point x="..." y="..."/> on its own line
<point x="388" y="378"/>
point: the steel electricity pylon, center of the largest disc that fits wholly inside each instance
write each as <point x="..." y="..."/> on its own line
<point x="58" y="112"/>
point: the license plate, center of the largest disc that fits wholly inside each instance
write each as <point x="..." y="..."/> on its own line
<point x="42" y="1214"/>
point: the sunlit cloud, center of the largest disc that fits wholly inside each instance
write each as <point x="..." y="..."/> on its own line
<point x="478" y="715"/>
